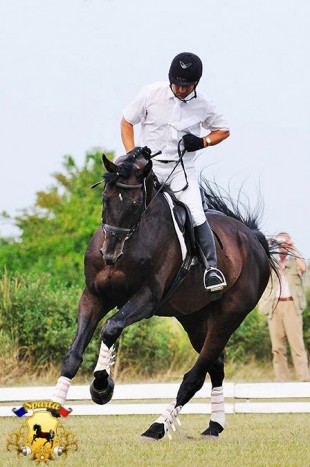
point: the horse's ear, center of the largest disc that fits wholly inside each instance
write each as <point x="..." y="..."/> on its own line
<point x="110" y="166"/>
<point x="144" y="172"/>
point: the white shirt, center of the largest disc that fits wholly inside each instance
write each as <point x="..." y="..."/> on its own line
<point x="165" y="119"/>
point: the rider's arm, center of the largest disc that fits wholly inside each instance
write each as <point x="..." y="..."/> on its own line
<point x="215" y="137"/>
<point x="127" y="133"/>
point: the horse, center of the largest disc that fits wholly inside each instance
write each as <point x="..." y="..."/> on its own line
<point x="48" y="435"/>
<point x="132" y="261"/>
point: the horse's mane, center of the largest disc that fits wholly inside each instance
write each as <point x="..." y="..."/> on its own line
<point x="124" y="170"/>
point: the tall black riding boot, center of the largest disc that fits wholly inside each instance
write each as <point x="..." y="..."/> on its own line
<point x="213" y="278"/>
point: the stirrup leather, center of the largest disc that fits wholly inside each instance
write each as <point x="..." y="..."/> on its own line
<point x="215" y="287"/>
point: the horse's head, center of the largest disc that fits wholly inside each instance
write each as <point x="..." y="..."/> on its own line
<point x="124" y="199"/>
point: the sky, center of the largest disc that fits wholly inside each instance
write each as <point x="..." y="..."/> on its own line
<point x="69" y="67"/>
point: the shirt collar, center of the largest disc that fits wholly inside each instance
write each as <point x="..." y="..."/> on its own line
<point x="172" y="96"/>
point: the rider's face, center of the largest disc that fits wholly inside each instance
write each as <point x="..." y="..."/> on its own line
<point x="182" y="91"/>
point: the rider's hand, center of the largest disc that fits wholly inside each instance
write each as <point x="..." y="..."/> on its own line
<point x="192" y="142"/>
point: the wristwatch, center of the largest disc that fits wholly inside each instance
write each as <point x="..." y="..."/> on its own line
<point x="209" y="142"/>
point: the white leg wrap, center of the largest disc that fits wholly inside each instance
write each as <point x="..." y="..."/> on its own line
<point x="217" y="406"/>
<point x="106" y="358"/>
<point x="168" y="416"/>
<point x="61" y="390"/>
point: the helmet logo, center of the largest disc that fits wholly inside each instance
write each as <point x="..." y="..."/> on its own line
<point x="184" y="65"/>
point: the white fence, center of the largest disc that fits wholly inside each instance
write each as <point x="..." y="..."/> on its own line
<point x="241" y="398"/>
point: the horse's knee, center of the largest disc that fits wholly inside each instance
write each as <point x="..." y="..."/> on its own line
<point x="71" y="364"/>
<point x="111" y="332"/>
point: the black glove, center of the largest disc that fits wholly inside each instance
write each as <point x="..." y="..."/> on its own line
<point x="192" y="142"/>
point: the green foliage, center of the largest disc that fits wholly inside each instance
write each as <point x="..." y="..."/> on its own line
<point x="250" y="340"/>
<point x="154" y="346"/>
<point x="56" y="230"/>
<point x="38" y="319"/>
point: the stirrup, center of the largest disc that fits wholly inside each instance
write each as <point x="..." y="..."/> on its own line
<point x="218" y="284"/>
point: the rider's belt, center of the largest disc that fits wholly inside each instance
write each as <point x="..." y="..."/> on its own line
<point x="164" y="162"/>
<point x="285" y="299"/>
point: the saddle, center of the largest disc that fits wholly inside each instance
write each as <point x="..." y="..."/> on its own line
<point x="184" y="220"/>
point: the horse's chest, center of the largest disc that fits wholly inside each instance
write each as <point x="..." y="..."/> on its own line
<point x="110" y="277"/>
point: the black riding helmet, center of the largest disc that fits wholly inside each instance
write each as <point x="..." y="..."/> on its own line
<point x="185" y="69"/>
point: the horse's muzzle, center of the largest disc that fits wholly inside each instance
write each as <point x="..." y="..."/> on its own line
<point x="110" y="258"/>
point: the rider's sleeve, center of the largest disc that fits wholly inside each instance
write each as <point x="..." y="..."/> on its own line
<point x="214" y="120"/>
<point x="135" y="111"/>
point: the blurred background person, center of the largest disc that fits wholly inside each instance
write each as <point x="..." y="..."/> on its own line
<point x="283" y="303"/>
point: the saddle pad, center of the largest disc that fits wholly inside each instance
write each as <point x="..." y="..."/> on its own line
<point x="176" y="227"/>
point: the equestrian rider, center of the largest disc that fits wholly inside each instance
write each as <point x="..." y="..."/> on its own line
<point x="169" y="112"/>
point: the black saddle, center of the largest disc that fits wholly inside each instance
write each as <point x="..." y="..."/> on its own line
<point x="184" y="220"/>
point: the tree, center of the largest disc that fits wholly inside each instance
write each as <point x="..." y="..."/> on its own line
<point x="56" y="230"/>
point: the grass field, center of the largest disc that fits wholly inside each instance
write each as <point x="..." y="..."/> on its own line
<point x="249" y="440"/>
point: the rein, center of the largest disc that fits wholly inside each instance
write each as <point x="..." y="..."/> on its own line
<point x="145" y="151"/>
<point x="180" y="154"/>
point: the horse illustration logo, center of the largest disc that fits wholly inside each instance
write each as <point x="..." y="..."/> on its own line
<point x="42" y="437"/>
<point x="48" y="435"/>
<point x="42" y="432"/>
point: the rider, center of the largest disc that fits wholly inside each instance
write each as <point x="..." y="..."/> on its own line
<point x="169" y="113"/>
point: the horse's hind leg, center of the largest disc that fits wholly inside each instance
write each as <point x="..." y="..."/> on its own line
<point x="193" y="382"/>
<point x="196" y="328"/>
<point x="209" y="337"/>
<point x="90" y="313"/>
<point x="217" y="420"/>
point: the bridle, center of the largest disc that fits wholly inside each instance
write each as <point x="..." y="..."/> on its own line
<point x="122" y="232"/>
<point x="125" y="233"/>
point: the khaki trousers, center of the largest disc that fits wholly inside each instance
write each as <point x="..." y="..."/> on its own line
<point x="286" y="323"/>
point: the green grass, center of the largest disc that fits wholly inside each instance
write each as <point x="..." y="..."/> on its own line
<point x="249" y="440"/>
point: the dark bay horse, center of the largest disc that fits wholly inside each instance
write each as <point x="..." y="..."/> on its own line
<point x="130" y="263"/>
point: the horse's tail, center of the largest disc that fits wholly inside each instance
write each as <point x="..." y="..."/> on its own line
<point x="239" y="208"/>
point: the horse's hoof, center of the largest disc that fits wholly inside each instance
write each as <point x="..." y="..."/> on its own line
<point x="212" y="432"/>
<point x="155" y="432"/>
<point x="102" y="396"/>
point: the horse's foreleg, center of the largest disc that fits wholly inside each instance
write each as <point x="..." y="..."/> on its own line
<point x="140" y="306"/>
<point x="90" y="313"/>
